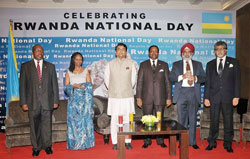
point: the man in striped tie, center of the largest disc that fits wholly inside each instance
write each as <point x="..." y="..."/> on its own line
<point x="187" y="75"/>
<point x="39" y="95"/>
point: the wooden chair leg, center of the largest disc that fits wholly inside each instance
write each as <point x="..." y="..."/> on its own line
<point x="8" y="149"/>
<point x="237" y="144"/>
<point x="202" y="142"/>
<point x="244" y="143"/>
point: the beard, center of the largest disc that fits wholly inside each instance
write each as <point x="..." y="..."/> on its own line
<point x="220" y="55"/>
<point x="187" y="57"/>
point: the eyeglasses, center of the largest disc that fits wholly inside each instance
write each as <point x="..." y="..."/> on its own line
<point x="220" y="49"/>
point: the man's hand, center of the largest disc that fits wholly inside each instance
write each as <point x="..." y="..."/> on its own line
<point x="192" y="78"/>
<point x="139" y="102"/>
<point x="207" y="102"/>
<point x="168" y="102"/>
<point x="55" y="106"/>
<point x="187" y="75"/>
<point x="235" y="102"/>
<point x="25" y="107"/>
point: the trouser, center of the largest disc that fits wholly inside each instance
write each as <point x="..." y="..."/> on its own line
<point x="40" y="128"/>
<point x="114" y="127"/>
<point x="151" y="109"/>
<point x="187" y="107"/>
<point x="227" y="113"/>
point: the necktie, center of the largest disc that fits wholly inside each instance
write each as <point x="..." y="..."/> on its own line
<point x="188" y="69"/>
<point x="220" y="69"/>
<point x="153" y="66"/>
<point x="38" y="71"/>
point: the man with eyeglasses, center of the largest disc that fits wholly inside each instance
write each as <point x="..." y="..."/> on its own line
<point x="222" y="93"/>
<point x="187" y="75"/>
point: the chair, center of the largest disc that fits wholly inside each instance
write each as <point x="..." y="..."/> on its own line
<point x="205" y="125"/>
<point x="246" y="126"/>
<point x="17" y="129"/>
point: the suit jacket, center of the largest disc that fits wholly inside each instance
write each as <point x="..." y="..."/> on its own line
<point x="224" y="88"/>
<point x="153" y="87"/>
<point x="198" y="71"/>
<point x="35" y="94"/>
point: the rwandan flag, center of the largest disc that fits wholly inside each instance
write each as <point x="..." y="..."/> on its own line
<point x="12" y="73"/>
<point x="217" y="23"/>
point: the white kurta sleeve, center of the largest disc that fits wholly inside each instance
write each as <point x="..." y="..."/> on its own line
<point x="134" y="76"/>
<point x="106" y="75"/>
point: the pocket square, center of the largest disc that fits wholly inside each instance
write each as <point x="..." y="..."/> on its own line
<point x="161" y="70"/>
<point x="231" y="65"/>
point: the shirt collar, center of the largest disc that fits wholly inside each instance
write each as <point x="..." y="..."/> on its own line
<point x="189" y="61"/>
<point x="40" y="61"/>
<point x="151" y="60"/>
<point x="223" y="59"/>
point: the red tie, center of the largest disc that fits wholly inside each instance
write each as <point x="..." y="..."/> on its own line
<point x="190" y="82"/>
<point x="38" y="71"/>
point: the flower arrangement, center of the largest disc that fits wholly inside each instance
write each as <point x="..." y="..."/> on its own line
<point x="149" y="120"/>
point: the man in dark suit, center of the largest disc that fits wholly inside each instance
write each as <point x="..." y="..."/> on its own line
<point x="153" y="88"/>
<point x="222" y="93"/>
<point x="188" y="74"/>
<point x="39" y="95"/>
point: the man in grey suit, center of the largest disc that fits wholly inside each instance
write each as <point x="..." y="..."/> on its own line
<point x="153" y="90"/>
<point x="187" y="74"/>
<point x="39" y="95"/>
<point x="222" y="93"/>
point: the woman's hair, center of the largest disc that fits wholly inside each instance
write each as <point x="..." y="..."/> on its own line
<point x="72" y="63"/>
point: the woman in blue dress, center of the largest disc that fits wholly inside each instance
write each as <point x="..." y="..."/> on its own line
<point x="78" y="87"/>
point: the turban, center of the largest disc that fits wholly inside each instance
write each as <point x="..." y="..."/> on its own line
<point x="187" y="45"/>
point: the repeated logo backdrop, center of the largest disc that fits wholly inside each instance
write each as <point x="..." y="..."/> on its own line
<point x="95" y="33"/>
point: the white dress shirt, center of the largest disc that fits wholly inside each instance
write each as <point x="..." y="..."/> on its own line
<point x="40" y="64"/>
<point x="218" y="62"/>
<point x="151" y="61"/>
<point x="180" y="77"/>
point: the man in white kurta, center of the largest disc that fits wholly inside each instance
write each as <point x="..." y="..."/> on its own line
<point x="120" y="78"/>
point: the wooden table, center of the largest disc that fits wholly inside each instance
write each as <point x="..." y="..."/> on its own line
<point x="169" y="127"/>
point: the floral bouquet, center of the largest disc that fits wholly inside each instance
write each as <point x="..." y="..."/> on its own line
<point x="149" y="120"/>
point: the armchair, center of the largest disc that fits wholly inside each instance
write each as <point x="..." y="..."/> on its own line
<point x="205" y="125"/>
<point x="246" y="126"/>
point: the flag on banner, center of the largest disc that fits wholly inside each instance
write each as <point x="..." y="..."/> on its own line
<point x="12" y="93"/>
<point x="217" y="23"/>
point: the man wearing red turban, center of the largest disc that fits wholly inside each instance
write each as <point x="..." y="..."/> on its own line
<point x="187" y="74"/>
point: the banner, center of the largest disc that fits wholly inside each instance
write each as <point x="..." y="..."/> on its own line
<point x="95" y="33"/>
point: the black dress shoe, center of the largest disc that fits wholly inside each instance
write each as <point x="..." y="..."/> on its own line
<point x="35" y="153"/>
<point x="145" y="146"/>
<point x="210" y="147"/>
<point x="114" y="147"/>
<point x="163" y="145"/>
<point x="229" y="149"/>
<point x="128" y="146"/>
<point x="48" y="150"/>
<point x="195" y="147"/>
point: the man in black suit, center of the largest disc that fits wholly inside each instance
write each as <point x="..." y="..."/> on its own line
<point x="187" y="75"/>
<point x="222" y="93"/>
<point x="39" y="95"/>
<point x="153" y="90"/>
